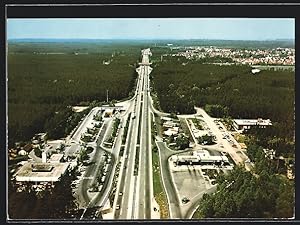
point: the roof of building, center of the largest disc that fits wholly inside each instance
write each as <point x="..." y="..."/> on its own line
<point x="255" y="70"/>
<point x="205" y="156"/>
<point x="170" y="132"/>
<point x="22" y="152"/>
<point x="252" y="122"/>
<point x="166" y="118"/>
<point x="41" y="172"/>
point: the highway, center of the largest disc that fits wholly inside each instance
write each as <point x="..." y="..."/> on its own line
<point x="135" y="188"/>
<point x="145" y="165"/>
<point x="134" y="191"/>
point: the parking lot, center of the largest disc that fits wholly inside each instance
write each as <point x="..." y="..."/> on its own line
<point x="190" y="183"/>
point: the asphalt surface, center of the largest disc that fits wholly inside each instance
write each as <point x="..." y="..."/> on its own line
<point x="145" y="154"/>
<point x="128" y="182"/>
<point x="91" y="170"/>
<point x="173" y="200"/>
<point x="134" y="194"/>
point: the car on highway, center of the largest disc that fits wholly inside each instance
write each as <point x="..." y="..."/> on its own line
<point x="117" y="207"/>
<point x="120" y="193"/>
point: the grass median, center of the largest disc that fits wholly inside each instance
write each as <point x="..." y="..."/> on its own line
<point x="159" y="193"/>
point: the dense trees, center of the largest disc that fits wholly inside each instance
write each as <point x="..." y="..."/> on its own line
<point x="242" y="195"/>
<point x="182" y="142"/>
<point x="233" y="91"/>
<point x="56" y="203"/>
<point x="41" y="86"/>
<point x="206" y="139"/>
<point x="230" y="91"/>
<point x="216" y="110"/>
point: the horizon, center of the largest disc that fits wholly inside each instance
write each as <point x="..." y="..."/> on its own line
<point x="153" y="28"/>
<point x="158" y="39"/>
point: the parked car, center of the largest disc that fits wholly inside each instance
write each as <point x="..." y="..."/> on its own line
<point x="185" y="200"/>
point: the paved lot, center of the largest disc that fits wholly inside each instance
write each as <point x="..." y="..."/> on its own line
<point x="190" y="183"/>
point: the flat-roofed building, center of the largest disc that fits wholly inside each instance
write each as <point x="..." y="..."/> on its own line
<point x="245" y="124"/>
<point x="172" y="131"/>
<point x="200" y="157"/>
<point x="170" y="124"/>
<point x="41" y="172"/>
<point x="166" y="118"/>
<point x="205" y="157"/>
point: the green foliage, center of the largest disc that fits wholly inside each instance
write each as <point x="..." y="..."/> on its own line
<point x="242" y="195"/>
<point x="232" y="90"/>
<point x="89" y="150"/>
<point x="115" y="127"/>
<point x="216" y="111"/>
<point x="197" y="124"/>
<point x="206" y="139"/>
<point x="276" y="137"/>
<point x="126" y="129"/>
<point x="83" y="156"/>
<point x="182" y="142"/>
<point x="38" y="152"/>
<point x="263" y="163"/>
<point x="97" y="118"/>
<point x="41" y="84"/>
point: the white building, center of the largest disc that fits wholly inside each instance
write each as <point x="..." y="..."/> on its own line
<point x="245" y="124"/>
<point x="254" y="71"/>
<point x="200" y="157"/>
<point x="171" y="131"/>
<point x="169" y="124"/>
<point x="41" y="172"/>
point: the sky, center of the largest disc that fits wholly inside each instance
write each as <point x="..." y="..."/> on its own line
<point x="153" y="28"/>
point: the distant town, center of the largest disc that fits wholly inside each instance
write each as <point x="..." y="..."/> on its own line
<point x="277" y="56"/>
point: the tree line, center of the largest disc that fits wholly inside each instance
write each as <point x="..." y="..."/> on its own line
<point x="40" y="87"/>
<point x="232" y="90"/>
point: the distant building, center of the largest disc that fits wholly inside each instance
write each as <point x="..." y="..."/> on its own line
<point x="201" y="157"/>
<point x="22" y="152"/>
<point x="171" y="131"/>
<point x="254" y="71"/>
<point x="269" y="153"/>
<point x="245" y="124"/>
<point x="166" y="118"/>
<point x="169" y="124"/>
<point x="290" y="174"/>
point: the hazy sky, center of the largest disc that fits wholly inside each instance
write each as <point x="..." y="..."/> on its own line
<point x="151" y="28"/>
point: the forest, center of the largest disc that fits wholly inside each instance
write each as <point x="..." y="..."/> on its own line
<point x="53" y="203"/>
<point x="181" y="85"/>
<point x="42" y="86"/>
<point x="242" y="195"/>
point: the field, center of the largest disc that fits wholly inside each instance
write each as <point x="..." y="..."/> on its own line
<point x="45" y="78"/>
